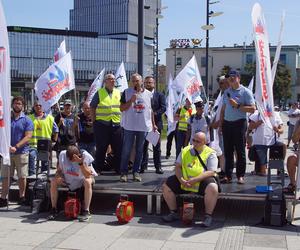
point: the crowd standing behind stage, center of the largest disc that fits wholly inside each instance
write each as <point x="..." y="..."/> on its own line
<point x="113" y="122"/>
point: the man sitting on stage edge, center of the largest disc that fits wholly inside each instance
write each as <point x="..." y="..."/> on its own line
<point x="191" y="176"/>
<point x="74" y="170"/>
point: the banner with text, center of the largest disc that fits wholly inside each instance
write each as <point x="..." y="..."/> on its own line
<point x="5" y="91"/>
<point x="263" y="90"/>
<point x="57" y="80"/>
<point x="189" y="80"/>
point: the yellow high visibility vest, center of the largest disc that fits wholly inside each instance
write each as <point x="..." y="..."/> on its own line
<point x="184" y="116"/>
<point x="192" y="167"/>
<point x="42" y="129"/>
<point x="108" y="108"/>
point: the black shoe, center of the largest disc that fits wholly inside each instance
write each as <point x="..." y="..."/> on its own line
<point x="159" y="171"/>
<point x="22" y="201"/>
<point x="53" y="214"/>
<point x="85" y="217"/>
<point x="3" y="202"/>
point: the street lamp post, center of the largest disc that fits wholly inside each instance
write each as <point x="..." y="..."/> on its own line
<point x="158" y="16"/>
<point x="207" y="28"/>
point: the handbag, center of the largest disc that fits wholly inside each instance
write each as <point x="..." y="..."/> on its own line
<point x="216" y="176"/>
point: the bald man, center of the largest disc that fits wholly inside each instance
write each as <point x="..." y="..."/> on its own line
<point x="191" y="176"/>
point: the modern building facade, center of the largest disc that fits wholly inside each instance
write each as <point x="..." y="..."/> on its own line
<point x="113" y="18"/>
<point x="32" y="51"/>
<point x="235" y="57"/>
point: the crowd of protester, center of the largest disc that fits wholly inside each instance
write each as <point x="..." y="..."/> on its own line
<point x="114" y="125"/>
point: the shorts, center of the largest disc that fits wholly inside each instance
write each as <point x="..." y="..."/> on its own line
<point x="75" y="188"/>
<point x="18" y="162"/>
<point x="261" y="154"/>
<point x="174" y="184"/>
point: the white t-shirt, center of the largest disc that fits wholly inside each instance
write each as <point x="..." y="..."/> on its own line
<point x="71" y="170"/>
<point x="198" y="124"/>
<point x="263" y="135"/>
<point x="293" y="120"/>
<point x="139" y="116"/>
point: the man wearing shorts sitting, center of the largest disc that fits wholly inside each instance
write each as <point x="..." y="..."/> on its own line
<point x="74" y="171"/>
<point x="191" y="176"/>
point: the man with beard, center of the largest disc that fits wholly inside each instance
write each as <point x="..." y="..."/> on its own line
<point x="159" y="107"/>
<point x="21" y="132"/>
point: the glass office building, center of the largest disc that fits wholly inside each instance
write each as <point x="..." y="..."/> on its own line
<point x="32" y="51"/>
<point x="115" y="18"/>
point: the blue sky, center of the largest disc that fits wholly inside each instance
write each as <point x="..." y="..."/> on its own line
<point x="182" y="19"/>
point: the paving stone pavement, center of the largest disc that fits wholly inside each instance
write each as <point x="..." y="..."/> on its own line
<point x="236" y="225"/>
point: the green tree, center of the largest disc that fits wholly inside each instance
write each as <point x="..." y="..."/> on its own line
<point x="282" y="84"/>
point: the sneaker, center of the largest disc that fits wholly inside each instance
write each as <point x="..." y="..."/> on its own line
<point x="53" y="214"/>
<point x="172" y="216"/>
<point x="207" y="221"/>
<point x="241" y="180"/>
<point x="3" y="202"/>
<point x="123" y="178"/>
<point x="22" y="201"/>
<point x="137" y="177"/>
<point x="85" y="217"/>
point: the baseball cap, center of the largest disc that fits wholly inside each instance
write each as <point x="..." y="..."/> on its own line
<point x="234" y="72"/>
<point x="198" y="102"/>
<point x="68" y="102"/>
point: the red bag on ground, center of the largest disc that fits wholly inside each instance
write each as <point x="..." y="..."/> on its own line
<point x="125" y="209"/>
<point x="188" y="211"/>
<point x="72" y="206"/>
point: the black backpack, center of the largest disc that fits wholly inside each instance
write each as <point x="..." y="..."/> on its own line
<point x="40" y="199"/>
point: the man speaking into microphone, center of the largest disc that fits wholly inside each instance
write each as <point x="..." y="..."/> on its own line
<point x="237" y="102"/>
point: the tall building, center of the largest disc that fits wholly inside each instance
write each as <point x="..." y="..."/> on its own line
<point x="32" y="51"/>
<point x="118" y="19"/>
<point x="113" y="18"/>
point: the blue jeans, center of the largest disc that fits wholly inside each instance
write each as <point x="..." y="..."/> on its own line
<point x="32" y="162"/>
<point x="128" y="140"/>
<point x="180" y="139"/>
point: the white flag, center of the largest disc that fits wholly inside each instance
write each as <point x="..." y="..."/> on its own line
<point x="250" y="86"/>
<point x="121" y="79"/>
<point x="97" y="84"/>
<point x="61" y="51"/>
<point x="170" y="101"/>
<point x="5" y="92"/>
<point x="278" y="49"/>
<point x="263" y="90"/>
<point x="57" y="80"/>
<point x="189" y="80"/>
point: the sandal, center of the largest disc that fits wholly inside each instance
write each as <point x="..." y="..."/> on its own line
<point x="290" y="189"/>
<point x="226" y="180"/>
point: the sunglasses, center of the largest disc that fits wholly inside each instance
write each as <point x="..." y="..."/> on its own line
<point x="196" y="141"/>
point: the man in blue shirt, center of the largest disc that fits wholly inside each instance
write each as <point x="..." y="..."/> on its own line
<point x="237" y="102"/>
<point x="21" y="132"/>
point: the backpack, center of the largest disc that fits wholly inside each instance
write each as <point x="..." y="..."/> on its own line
<point x="40" y="200"/>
